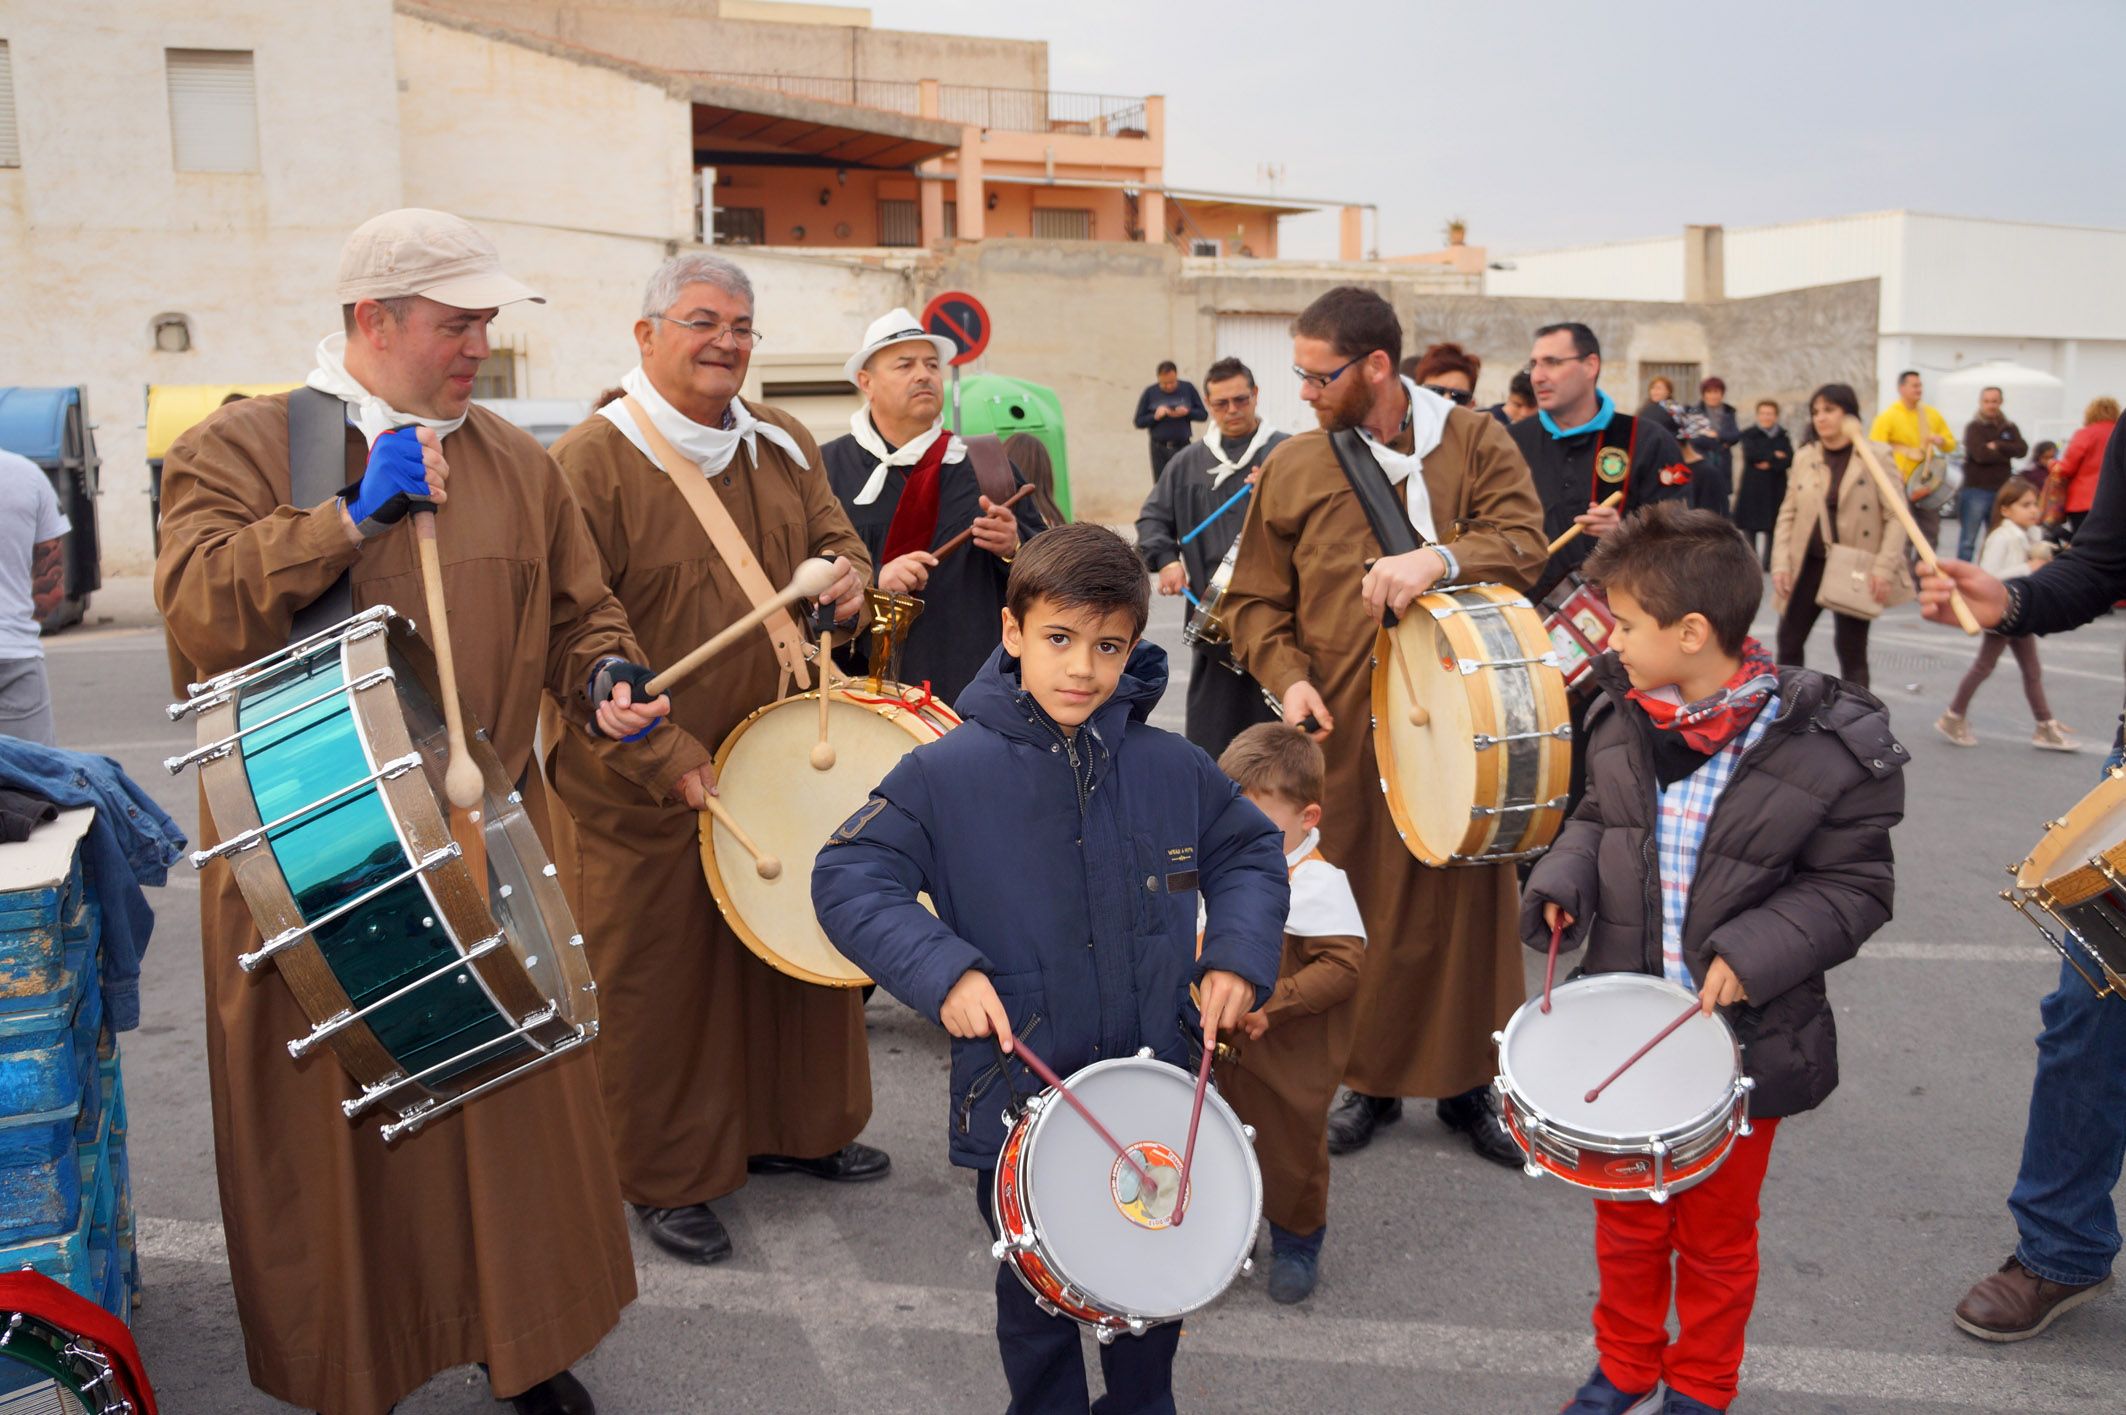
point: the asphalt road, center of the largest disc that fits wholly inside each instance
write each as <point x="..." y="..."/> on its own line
<point x="1448" y="1284"/>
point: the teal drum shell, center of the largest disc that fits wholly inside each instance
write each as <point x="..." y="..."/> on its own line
<point x="338" y="852"/>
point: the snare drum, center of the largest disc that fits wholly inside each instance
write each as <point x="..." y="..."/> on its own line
<point x="1085" y="1243"/>
<point x="1577" y="616"/>
<point x="323" y="771"/>
<point x="766" y="780"/>
<point x="1663" y="1126"/>
<point x="1471" y="727"/>
<point x="2076" y="877"/>
<point x="1206" y="627"/>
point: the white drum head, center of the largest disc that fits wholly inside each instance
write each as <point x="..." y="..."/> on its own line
<point x="1550" y="1061"/>
<point x="1124" y="1264"/>
<point x="1441" y="753"/>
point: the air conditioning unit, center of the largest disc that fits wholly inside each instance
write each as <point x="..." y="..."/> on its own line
<point x="1213" y="249"/>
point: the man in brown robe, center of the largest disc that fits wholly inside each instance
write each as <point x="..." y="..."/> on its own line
<point x="1442" y="969"/>
<point x="714" y="1064"/>
<point x="494" y="1233"/>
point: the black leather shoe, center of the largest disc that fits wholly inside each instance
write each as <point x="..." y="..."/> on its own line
<point x="693" y="1233"/>
<point x="1356" y="1117"/>
<point x="1475" y="1114"/>
<point x="850" y="1164"/>
<point x="563" y="1395"/>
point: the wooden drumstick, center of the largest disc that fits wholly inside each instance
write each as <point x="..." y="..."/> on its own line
<point x="1575" y="531"/>
<point x="461" y="779"/>
<point x="1048" y="1077"/>
<point x="1659" y="1037"/>
<point x="967" y="535"/>
<point x="1195" y="1118"/>
<point x="823" y="750"/>
<point x="1892" y="491"/>
<point x="809" y="582"/>
<point x="764" y="864"/>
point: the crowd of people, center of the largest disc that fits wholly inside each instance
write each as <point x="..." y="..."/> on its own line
<point x="1053" y="870"/>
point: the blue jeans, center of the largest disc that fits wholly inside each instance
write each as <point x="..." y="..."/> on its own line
<point x="2075" y="1142"/>
<point x="1974" y="507"/>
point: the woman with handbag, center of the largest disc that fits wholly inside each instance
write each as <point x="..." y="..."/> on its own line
<point x="1836" y="546"/>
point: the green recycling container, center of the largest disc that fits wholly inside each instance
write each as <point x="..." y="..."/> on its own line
<point x="992" y="403"/>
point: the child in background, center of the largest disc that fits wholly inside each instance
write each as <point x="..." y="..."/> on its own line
<point x="2013" y="547"/>
<point x="1282" y="1077"/>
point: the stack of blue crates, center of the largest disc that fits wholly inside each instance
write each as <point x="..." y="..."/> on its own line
<point x="65" y="1200"/>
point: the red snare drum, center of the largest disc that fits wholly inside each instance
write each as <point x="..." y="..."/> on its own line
<point x="1579" y="621"/>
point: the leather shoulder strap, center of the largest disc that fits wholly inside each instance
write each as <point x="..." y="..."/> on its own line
<point x="317" y="469"/>
<point x="1383" y="508"/>
<point x="992" y="468"/>
<point x="730" y="545"/>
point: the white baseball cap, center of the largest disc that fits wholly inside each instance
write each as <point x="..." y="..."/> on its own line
<point x="415" y="251"/>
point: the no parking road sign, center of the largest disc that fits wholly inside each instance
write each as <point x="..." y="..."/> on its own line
<point x="960" y="318"/>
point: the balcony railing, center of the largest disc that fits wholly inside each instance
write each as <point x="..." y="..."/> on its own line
<point x="1018" y="110"/>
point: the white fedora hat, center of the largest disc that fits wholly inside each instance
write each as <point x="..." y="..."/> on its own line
<point x="896" y="327"/>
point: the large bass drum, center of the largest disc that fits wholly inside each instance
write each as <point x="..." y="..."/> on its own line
<point x="323" y="770"/>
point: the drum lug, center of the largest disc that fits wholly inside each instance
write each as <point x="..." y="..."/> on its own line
<point x="1247" y="1130"/>
<point x="998" y="1250"/>
<point x="1103" y="1333"/>
<point x="1247" y="1265"/>
<point x="1531" y="1169"/>
<point x="1047" y="1306"/>
<point x="1138" y="1326"/>
<point x="1144" y="1053"/>
<point x="1498" y="1039"/>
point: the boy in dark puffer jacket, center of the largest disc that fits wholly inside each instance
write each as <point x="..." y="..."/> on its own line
<point x="1065" y="843"/>
<point x="1735" y="839"/>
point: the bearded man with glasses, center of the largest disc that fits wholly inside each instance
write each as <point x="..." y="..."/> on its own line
<point x="1444" y="968"/>
<point x="714" y="1064"/>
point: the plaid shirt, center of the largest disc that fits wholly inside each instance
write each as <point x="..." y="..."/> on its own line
<point x="1686" y="811"/>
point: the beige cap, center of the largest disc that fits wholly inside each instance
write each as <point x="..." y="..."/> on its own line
<point x="415" y="251"/>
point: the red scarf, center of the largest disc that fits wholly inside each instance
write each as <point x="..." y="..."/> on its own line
<point x="1712" y="722"/>
<point x="915" y="515"/>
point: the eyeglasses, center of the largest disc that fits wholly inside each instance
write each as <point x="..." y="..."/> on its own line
<point x="1453" y="395"/>
<point x="710" y="332"/>
<point x="1233" y="404"/>
<point x="1550" y="365"/>
<point x="1320" y="382"/>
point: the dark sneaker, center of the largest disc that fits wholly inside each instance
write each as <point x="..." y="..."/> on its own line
<point x="2016" y="1304"/>
<point x="1356" y="1117"/>
<point x="1601" y="1397"/>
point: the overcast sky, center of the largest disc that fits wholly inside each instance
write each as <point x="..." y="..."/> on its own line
<point x="1546" y="123"/>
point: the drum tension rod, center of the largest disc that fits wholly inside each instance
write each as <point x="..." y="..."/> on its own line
<point x="368" y="622"/>
<point x="429" y="1110"/>
<point x="1468" y="666"/>
<point x="341" y="1021"/>
<point x="247" y="839"/>
<point x="221" y="748"/>
<point x="2023" y="906"/>
<point x="1562" y="732"/>
<point x="372" y="1094"/>
<point x="288" y="938"/>
<point x="1555" y="803"/>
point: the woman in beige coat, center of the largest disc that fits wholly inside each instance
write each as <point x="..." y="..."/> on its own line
<point x="1829" y="482"/>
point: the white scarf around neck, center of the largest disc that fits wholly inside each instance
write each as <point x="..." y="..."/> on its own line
<point x="869" y="438"/>
<point x="365" y="410"/>
<point x="710" y="448"/>
<point x="1428" y="423"/>
<point x="1223" y="466"/>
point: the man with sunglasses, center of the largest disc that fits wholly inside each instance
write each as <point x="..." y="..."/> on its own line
<point x="1189" y="522"/>
<point x="714" y="1065"/>
<point x="1307" y="594"/>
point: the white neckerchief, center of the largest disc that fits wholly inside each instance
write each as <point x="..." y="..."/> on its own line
<point x="867" y="437"/>
<point x="1322" y="905"/>
<point x="365" y="410"/>
<point x="711" y="448"/>
<point x="1428" y="422"/>
<point x="1226" y="466"/>
<point x="1305" y="848"/>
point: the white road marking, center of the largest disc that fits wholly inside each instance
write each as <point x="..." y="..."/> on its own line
<point x="830" y="1297"/>
<point x="1896" y="952"/>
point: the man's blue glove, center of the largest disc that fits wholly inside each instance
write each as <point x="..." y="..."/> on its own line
<point x="395" y="483"/>
<point x="607" y="673"/>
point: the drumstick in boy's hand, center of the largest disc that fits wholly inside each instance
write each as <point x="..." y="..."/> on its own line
<point x="1630" y="1061"/>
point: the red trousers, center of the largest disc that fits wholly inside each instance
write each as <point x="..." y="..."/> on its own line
<point x="1710" y="1232"/>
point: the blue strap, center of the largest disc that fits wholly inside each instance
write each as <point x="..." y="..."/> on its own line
<point x="1229" y="504"/>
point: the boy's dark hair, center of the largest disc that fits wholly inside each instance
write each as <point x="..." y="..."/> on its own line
<point x="1081" y="566"/>
<point x="1583" y="339"/>
<point x="1226" y="368"/>
<point x="1276" y="760"/>
<point x="1522" y="387"/>
<point x="1677" y="561"/>
<point x="1354" y="322"/>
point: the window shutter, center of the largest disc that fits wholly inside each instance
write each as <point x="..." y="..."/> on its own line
<point x="1062" y="224"/>
<point x="213" y="110"/>
<point x="10" y="141"/>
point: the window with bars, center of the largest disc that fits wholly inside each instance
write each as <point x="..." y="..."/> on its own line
<point x="497" y="375"/>
<point x="952" y="220"/>
<point x="899" y="223"/>
<point x="741" y="226"/>
<point x="10" y="141"/>
<point x="1062" y="223"/>
<point x="213" y="110"/>
<point x="1682" y="377"/>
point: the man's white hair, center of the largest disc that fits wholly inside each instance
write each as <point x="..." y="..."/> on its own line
<point x="693" y="268"/>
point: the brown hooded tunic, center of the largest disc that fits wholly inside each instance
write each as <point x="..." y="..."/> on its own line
<point x="707" y="1054"/>
<point x="1442" y="970"/>
<point x="495" y="1233"/>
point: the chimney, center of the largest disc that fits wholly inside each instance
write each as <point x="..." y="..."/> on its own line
<point x="1704" y="264"/>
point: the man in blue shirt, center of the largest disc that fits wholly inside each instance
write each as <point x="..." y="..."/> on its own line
<point x="1166" y="409"/>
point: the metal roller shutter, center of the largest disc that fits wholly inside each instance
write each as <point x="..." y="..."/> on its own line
<point x="213" y="110"/>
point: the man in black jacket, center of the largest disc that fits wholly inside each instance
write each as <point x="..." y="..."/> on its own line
<point x="2076" y="1135"/>
<point x="1991" y="445"/>
<point x="1165" y="409"/>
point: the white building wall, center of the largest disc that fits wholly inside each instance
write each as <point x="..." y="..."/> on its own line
<point x="99" y="234"/>
<point x="1628" y="270"/>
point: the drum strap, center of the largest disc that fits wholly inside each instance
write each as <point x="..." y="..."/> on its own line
<point x="730" y="545"/>
<point x="1380" y="501"/>
<point x="317" y="471"/>
<point x="992" y="468"/>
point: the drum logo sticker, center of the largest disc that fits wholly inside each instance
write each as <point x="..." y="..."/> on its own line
<point x="1147" y="1208"/>
<point x="1611" y="464"/>
<point x="851" y="828"/>
<point x="1627" y="1168"/>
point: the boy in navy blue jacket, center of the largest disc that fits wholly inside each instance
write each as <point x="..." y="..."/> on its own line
<point x="1064" y="842"/>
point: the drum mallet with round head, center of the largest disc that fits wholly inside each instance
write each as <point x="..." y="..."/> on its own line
<point x="809" y="582"/>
